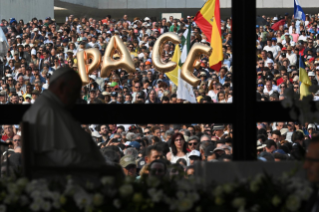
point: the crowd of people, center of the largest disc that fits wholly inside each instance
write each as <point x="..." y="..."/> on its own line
<point x="278" y="55"/>
<point x="136" y="146"/>
<point x="39" y="47"/>
<point x="282" y="141"/>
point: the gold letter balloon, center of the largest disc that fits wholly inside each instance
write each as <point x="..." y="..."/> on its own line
<point x="158" y="49"/>
<point x="84" y="68"/>
<point x="109" y="64"/>
<point x="125" y="62"/>
<point x="192" y="61"/>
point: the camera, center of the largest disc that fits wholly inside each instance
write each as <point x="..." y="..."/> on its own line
<point x="283" y="54"/>
<point x="116" y="140"/>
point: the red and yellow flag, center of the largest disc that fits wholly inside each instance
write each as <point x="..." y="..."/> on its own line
<point x="208" y="20"/>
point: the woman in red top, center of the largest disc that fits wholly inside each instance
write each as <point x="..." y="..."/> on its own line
<point x="8" y="132"/>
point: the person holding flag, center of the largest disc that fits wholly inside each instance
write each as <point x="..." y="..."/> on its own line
<point x="208" y="20"/>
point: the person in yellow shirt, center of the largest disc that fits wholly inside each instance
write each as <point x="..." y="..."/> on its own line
<point x="201" y="95"/>
<point x="132" y="50"/>
<point x="136" y="47"/>
<point x="29" y="89"/>
<point x="70" y="56"/>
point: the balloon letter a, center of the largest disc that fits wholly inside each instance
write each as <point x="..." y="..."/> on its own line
<point x="109" y="64"/>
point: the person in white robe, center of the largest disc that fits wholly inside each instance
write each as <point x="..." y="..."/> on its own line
<point x="58" y="139"/>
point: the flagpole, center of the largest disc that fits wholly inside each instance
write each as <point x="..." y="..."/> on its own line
<point x="304" y="26"/>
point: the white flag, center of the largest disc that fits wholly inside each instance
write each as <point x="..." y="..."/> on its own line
<point x="4" y="46"/>
<point x="185" y="90"/>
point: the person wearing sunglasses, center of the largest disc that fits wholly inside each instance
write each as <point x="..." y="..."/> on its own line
<point x="16" y="140"/>
<point x="311" y="47"/>
<point x="7" y="71"/>
<point x="282" y="87"/>
<point x="21" y="99"/>
<point x="193" y="143"/>
<point x="10" y="82"/>
<point x="296" y="88"/>
<point x="147" y="131"/>
<point x="260" y="88"/>
<point x="11" y="64"/>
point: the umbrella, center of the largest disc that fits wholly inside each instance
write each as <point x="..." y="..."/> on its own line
<point x="260" y="21"/>
<point x="4" y="46"/>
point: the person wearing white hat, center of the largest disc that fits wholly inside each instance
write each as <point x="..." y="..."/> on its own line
<point x="286" y="39"/>
<point x="35" y="34"/>
<point x="70" y="56"/>
<point x="33" y="52"/>
<point x="204" y="41"/>
<point x="292" y="57"/>
<point x="311" y="75"/>
<point x="311" y="127"/>
<point x="93" y="77"/>
<point x="96" y="137"/>
<point x="28" y="98"/>
<point x="194" y="156"/>
<point x="260" y="147"/>
<point x="57" y="139"/>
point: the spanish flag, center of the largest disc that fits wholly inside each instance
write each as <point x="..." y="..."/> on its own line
<point x="304" y="79"/>
<point x="208" y="20"/>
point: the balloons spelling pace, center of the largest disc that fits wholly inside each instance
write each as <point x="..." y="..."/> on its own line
<point x="125" y="62"/>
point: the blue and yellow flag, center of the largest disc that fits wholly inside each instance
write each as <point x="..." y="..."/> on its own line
<point x="304" y="79"/>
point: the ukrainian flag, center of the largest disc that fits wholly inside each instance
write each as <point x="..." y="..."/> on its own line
<point x="304" y="79"/>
